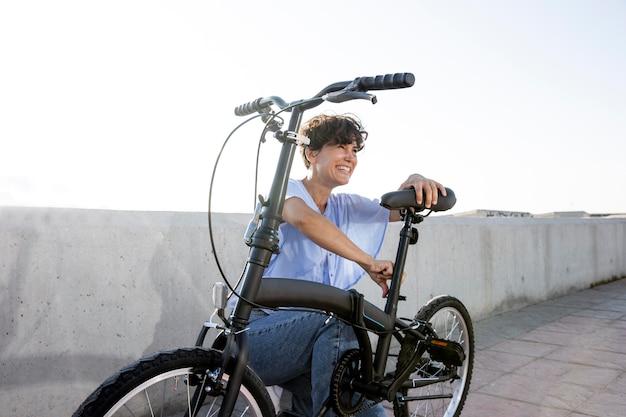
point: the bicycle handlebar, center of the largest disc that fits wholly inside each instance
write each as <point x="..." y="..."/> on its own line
<point x="360" y="84"/>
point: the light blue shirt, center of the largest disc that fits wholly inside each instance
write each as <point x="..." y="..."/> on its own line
<point x="363" y="220"/>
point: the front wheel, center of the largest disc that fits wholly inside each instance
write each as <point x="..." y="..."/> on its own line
<point x="174" y="384"/>
<point x="450" y="321"/>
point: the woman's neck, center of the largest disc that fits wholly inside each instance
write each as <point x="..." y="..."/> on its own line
<point x="318" y="192"/>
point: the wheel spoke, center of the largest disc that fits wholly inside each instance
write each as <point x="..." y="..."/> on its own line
<point x="152" y="387"/>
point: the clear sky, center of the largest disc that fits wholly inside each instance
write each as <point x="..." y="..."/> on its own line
<point x="518" y="105"/>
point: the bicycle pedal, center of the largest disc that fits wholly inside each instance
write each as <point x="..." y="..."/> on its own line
<point x="445" y="351"/>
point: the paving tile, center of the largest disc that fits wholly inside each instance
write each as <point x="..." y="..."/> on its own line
<point x="509" y="325"/>
<point x="546" y="369"/>
<point x="574" y="325"/>
<point x="616" y="304"/>
<point x="540" y="314"/>
<point x="500" y="361"/>
<point x="582" y="299"/>
<point x="620" y="383"/>
<point x="591" y="377"/>
<point x="620" y="324"/>
<point x="523" y="347"/>
<point x="605" y="404"/>
<point x="600" y="314"/>
<point x="538" y="390"/>
<point x="592" y="357"/>
<point x="486" y="336"/>
<point x="571" y="307"/>
<point x="566" y="396"/>
<point x="481" y="377"/>
<point x="481" y="405"/>
<point x="550" y="337"/>
<point x="605" y="338"/>
<point x="584" y="322"/>
<point x="491" y="331"/>
<point x="529" y="389"/>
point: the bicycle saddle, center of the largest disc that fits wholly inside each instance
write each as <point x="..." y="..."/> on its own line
<point x="405" y="199"/>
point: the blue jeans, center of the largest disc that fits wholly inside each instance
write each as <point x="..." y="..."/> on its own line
<point x="299" y="351"/>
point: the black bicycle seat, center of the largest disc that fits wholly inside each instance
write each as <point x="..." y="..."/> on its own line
<point x="405" y="199"/>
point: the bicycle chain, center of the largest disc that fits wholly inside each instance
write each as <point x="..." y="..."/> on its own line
<point x="349" y="362"/>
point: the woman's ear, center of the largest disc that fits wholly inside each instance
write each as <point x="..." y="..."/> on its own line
<point x="309" y="154"/>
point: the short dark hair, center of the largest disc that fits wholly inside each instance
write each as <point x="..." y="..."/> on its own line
<point x="332" y="130"/>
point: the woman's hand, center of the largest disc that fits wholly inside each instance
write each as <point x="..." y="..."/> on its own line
<point x="426" y="190"/>
<point x="380" y="272"/>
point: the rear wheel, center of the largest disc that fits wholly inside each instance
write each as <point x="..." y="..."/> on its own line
<point x="174" y="383"/>
<point x="450" y="321"/>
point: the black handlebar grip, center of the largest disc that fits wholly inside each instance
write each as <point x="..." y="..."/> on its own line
<point x="250" y="108"/>
<point x="387" y="82"/>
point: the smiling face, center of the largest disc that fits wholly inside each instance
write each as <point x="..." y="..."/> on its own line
<point x="334" y="164"/>
<point x="331" y="154"/>
<point x="332" y="131"/>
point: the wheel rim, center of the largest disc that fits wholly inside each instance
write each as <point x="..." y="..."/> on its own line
<point x="167" y="395"/>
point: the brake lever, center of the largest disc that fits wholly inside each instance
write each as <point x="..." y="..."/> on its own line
<point x="346" y="95"/>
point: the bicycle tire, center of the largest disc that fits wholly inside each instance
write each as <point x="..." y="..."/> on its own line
<point x="156" y="385"/>
<point x="451" y="321"/>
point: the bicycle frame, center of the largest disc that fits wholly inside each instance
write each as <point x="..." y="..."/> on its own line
<point x="349" y="306"/>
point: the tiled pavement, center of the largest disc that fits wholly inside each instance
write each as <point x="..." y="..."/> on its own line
<point x="565" y="357"/>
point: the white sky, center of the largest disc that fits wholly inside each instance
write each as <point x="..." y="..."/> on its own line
<point x="518" y="105"/>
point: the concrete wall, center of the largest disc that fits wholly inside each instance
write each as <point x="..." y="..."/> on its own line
<point x="86" y="291"/>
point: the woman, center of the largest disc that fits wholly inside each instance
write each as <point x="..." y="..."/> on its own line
<point x="329" y="238"/>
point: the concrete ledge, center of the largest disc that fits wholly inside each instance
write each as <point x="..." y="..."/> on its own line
<point x="86" y="291"/>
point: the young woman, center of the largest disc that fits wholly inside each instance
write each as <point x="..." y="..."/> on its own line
<point x="330" y="238"/>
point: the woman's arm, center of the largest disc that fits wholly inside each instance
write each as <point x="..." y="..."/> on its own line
<point x="324" y="233"/>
